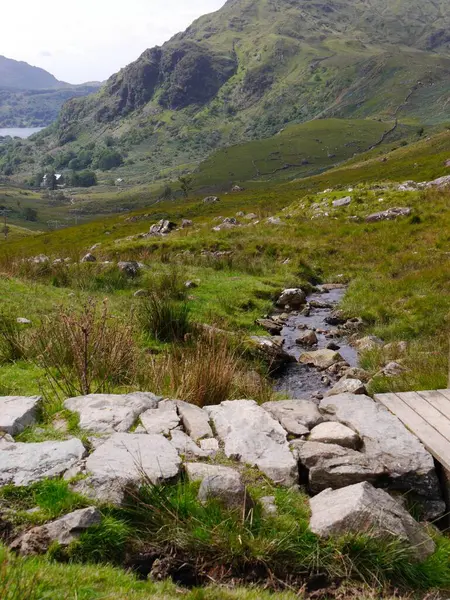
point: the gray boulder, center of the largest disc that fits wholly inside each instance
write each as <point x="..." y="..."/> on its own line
<point x="389" y="215"/>
<point x="321" y="359"/>
<point x="162" y="419"/>
<point x="163" y="227"/>
<point x="360" y="509"/>
<point x="347" y="386"/>
<point x="332" y="466"/>
<point x="293" y="297"/>
<point x="342" y="202"/>
<point x="369" y="342"/>
<point x="88" y="258"/>
<point x="335" y="433"/>
<point x="127" y="459"/>
<point x="296" y="416"/>
<point x="130" y="268"/>
<point x="186" y="446"/>
<point x="195" y="420"/>
<point x="307" y="338"/>
<point x="252" y="436"/>
<point x="65" y="530"/>
<point x="271" y="326"/>
<point x="409" y="465"/>
<point x="18" y="412"/>
<point x="211" y="200"/>
<point x="24" y="464"/>
<point x="270" y="349"/>
<point x="228" y="489"/>
<point x="197" y="471"/>
<point x="107" y="413"/>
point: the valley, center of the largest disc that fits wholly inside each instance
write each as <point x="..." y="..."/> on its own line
<point x="210" y="269"/>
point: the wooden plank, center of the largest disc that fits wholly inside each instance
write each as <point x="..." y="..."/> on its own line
<point x="424" y="409"/>
<point x="433" y="441"/>
<point x="439" y="401"/>
<point x="445" y="393"/>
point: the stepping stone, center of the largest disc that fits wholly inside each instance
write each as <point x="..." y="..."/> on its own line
<point x="18" y="412"/>
<point x="24" y="464"/>
<point x="128" y="459"/>
<point x="252" y="436"/>
<point x="107" y="413"/>
<point x="296" y="416"/>
<point x="195" y="420"/>
<point x="335" y="433"/>
<point x="162" y="419"/>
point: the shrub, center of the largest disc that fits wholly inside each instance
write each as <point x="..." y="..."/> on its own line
<point x="86" y="352"/>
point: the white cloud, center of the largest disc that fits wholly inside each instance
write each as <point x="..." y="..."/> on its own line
<point x="91" y="39"/>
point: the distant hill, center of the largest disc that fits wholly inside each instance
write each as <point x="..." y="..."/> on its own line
<point x="20" y="75"/>
<point x="32" y="97"/>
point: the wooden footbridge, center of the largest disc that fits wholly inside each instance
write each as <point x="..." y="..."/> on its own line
<point x="427" y="415"/>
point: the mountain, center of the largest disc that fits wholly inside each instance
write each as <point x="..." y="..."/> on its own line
<point x="20" y="75"/>
<point x="32" y="97"/>
<point x="254" y="66"/>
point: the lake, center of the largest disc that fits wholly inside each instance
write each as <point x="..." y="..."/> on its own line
<point x="22" y="132"/>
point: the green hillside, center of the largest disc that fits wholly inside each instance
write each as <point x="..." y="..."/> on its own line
<point x="249" y="70"/>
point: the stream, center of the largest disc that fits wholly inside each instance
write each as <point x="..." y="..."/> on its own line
<point x="301" y="381"/>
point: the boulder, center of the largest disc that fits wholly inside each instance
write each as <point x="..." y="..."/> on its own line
<point x="439" y="182"/>
<point x="392" y="369"/>
<point x="163" y="227"/>
<point x="307" y="338"/>
<point x="195" y="420"/>
<point x="360" y="509"/>
<point x="128" y="459"/>
<point x="271" y="326"/>
<point x="348" y="386"/>
<point x="64" y="531"/>
<point x="211" y="200"/>
<point x="342" y="202"/>
<point x="18" y="412"/>
<point x="321" y="359"/>
<point x="332" y="432"/>
<point x="185" y="223"/>
<point x="88" y="258"/>
<point x="274" y="221"/>
<point x="228" y="489"/>
<point x="186" y="446"/>
<point x="210" y="445"/>
<point x="130" y="268"/>
<point x="270" y="349"/>
<point x="333" y="466"/>
<point x="23" y="321"/>
<point x="197" y="471"/>
<point x="237" y="188"/>
<point x="252" y="436"/>
<point x="24" y="464"/>
<point x="162" y="419"/>
<point x="269" y="507"/>
<point x="296" y="416"/>
<point x="370" y="342"/>
<point x="357" y="373"/>
<point x="40" y="259"/>
<point x="337" y="317"/>
<point x="106" y="413"/>
<point x="389" y="215"/>
<point x="293" y="297"/>
<point x="408" y="465"/>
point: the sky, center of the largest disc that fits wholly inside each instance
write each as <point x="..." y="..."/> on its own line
<point x="89" y="40"/>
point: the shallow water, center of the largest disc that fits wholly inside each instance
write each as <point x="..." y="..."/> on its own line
<point x="300" y="381"/>
<point x="22" y="132"/>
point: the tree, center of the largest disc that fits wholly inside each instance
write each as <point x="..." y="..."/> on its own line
<point x="30" y="214"/>
<point x="109" y="159"/>
<point x="83" y="179"/>
<point x="50" y="180"/>
<point x="167" y="193"/>
<point x="186" y="185"/>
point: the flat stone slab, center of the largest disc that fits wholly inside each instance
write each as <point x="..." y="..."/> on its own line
<point x="335" y="433"/>
<point x="252" y="436"/>
<point x="162" y="419"/>
<point x="128" y="459"/>
<point x="107" y="413"/>
<point x="409" y="465"/>
<point x="186" y="446"/>
<point x="197" y="471"/>
<point x="195" y="420"/>
<point x="296" y="416"/>
<point x="18" y="412"/>
<point x="24" y="464"/>
<point x="361" y="509"/>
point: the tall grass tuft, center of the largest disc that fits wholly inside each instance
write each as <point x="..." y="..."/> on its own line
<point x="163" y="318"/>
<point x="86" y="352"/>
<point x="206" y="372"/>
<point x="13" y="339"/>
<point x="15" y="582"/>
